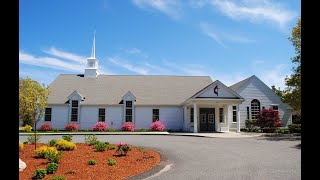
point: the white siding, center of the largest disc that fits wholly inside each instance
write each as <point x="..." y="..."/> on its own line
<point x="144" y="117"/>
<point x="114" y="116"/>
<point x="59" y="117"/>
<point x="256" y="89"/>
<point x="88" y="117"/>
<point x="171" y="117"/>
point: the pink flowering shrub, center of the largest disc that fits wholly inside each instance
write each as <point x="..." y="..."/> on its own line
<point x="157" y="126"/>
<point x="128" y="126"/>
<point x="123" y="148"/>
<point x="46" y="127"/>
<point x="100" y="126"/>
<point x="71" y="127"/>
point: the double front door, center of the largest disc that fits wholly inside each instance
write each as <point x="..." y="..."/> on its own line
<point x="207" y="119"/>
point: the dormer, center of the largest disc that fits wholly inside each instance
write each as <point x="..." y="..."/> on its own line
<point x="128" y="102"/>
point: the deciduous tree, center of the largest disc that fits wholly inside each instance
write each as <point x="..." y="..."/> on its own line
<point x="32" y="100"/>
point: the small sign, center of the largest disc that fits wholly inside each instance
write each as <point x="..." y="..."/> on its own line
<point x="215" y="90"/>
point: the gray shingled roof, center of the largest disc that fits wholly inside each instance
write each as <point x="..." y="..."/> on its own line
<point x="238" y="85"/>
<point x="109" y="89"/>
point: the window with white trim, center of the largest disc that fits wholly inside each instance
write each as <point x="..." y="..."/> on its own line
<point x="255" y="108"/>
<point x="191" y="114"/>
<point x="221" y="115"/>
<point x="248" y="112"/>
<point x="128" y="111"/>
<point x="102" y="115"/>
<point x="155" y="115"/>
<point x="210" y="118"/>
<point x="74" y="110"/>
<point x="47" y="114"/>
<point x="234" y="114"/>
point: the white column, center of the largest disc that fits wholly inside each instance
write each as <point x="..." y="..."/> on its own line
<point x="225" y="116"/>
<point x="195" y="118"/>
<point x="238" y="120"/>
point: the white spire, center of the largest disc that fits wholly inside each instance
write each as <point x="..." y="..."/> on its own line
<point x="93" y="53"/>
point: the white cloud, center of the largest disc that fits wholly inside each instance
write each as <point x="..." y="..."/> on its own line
<point x="213" y="35"/>
<point x="133" y="51"/>
<point x="237" y="38"/>
<point x="66" y="55"/>
<point x="75" y="63"/>
<point x="171" y="8"/>
<point x="198" y="3"/>
<point x="275" y="76"/>
<point x="136" y="52"/>
<point x="255" y="11"/>
<point x="220" y="36"/>
<point x="121" y="63"/>
<point x="158" y="70"/>
<point x="187" y="69"/>
<point x="49" y="62"/>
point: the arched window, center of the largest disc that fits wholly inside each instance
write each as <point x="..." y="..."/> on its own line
<point x="255" y="108"/>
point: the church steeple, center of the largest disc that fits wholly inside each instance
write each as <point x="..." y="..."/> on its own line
<point x="93" y="52"/>
<point x="92" y="63"/>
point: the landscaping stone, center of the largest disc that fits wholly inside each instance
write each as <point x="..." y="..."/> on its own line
<point x="22" y="165"/>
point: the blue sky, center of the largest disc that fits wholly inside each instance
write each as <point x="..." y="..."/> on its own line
<point x="225" y="39"/>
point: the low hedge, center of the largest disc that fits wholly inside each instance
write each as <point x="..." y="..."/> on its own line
<point x="294" y="128"/>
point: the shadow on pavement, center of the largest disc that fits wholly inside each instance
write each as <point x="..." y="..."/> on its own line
<point x="298" y="146"/>
<point x="280" y="137"/>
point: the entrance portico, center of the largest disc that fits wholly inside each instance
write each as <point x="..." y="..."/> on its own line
<point x="211" y="110"/>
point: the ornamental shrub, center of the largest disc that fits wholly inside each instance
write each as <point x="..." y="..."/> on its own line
<point x="65" y="145"/>
<point x="100" y="146"/>
<point x="157" y="126"/>
<point x="52" y="142"/>
<point x="123" y="149"/>
<point x="53" y="157"/>
<point x="46" y="127"/>
<point x="90" y="139"/>
<point x="52" y="167"/>
<point x="111" y="162"/>
<point x="128" y="126"/>
<point x="294" y="128"/>
<point x="67" y="137"/>
<point x="92" y="162"/>
<point x="26" y="128"/>
<point x="268" y="119"/>
<point x="21" y="145"/>
<point x="39" y="174"/>
<point x="41" y="151"/>
<point x="100" y="126"/>
<point x="250" y="124"/>
<point x="71" y="127"/>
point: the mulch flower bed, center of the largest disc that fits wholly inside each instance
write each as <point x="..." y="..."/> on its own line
<point x="136" y="161"/>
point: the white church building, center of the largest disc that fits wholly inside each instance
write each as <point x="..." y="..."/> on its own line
<point x="182" y="103"/>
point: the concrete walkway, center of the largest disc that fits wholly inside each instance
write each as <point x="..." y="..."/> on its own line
<point x="209" y="135"/>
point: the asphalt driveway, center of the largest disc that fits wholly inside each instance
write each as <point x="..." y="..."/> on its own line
<point x="216" y="158"/>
